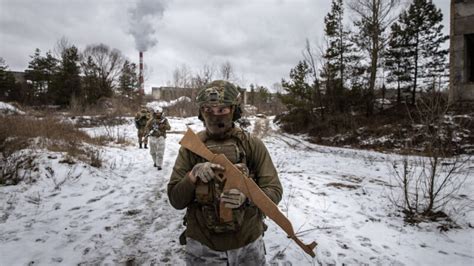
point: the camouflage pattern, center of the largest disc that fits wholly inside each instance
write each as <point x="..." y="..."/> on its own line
<point x="159" y="125"/>
<point x="249" y="255"/>
<point x="141" y="119"/>
<point x="209" y="194"/>
<point x="157" y="150"/>
<point x="156" y="127"/>
<point x="182" y="193"/>
<point x="218" y="92"/>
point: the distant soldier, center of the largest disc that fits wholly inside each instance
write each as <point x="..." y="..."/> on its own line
<point x="193" y="185"/>
<point x="156" y="128"/>
<point x="141" y="118"/>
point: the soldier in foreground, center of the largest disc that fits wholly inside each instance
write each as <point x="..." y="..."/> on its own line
<point x="193" y="185"/>
<point x="141" y="119"/>
<point x="156" y="128"/>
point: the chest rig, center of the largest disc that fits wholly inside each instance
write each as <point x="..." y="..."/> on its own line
<point x="208" y="195"/>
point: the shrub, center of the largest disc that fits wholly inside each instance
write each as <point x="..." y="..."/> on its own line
<point x="20" y="132"/>
<point x="427" y="185"/>
<point x="17" y="168"/>
<point x="297" y="120"/>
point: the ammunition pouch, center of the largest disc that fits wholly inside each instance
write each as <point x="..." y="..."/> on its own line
<point x="208" y="194"/>
<point x="211" y="216"/>
<point x="208" y="198"/>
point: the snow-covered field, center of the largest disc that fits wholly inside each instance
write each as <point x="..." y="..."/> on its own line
<point x="118" y="214"/>
<point x="7" y="108"/>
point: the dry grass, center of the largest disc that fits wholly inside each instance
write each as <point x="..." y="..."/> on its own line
<point x="20" y="132"/>
<point x="17" y="168"/>
<point x="116" y="106"/>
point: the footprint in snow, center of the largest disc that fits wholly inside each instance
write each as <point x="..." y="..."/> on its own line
<point x="74" y="224"/>
<point x="342" y="245"/>
<point x="365" y="242"/>
<point x="357" y="225"/>
<point x="324" y="257"/>
<point x="57" y="259"/>
<point x="86" y="228"/>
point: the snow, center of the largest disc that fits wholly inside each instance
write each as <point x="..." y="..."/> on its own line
<point x="163" y="104"/>
<point x="8" y="108"/>
<point x="78" y="214"/>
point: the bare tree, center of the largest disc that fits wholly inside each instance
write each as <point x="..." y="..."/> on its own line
<point x="227" y="70"/>
<point x="182" y="77"/>
<point x="310" y="57"/>
<point x="204" y="76"/>
<point x="101" y="67"/>
<point x="373" y="19"/>
<point x="277" y="87"/>
<point x="61" y="45"/>
<point x="108" y="63"/>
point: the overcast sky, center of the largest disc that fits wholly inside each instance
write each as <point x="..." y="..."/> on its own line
<point x="261" y="39"/>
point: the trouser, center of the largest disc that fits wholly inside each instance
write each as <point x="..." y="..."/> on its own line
<point x="252" y="254"/>
<point x="142" y="138"/>
<point x="157" y="149"/>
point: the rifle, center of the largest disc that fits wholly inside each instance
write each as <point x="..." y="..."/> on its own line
<point x="156" y="126"/>
<point x="235" y="179"/>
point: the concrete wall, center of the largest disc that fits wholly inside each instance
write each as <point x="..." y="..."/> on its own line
<point x="172" y="93"/>
<point x="462" y="23"/>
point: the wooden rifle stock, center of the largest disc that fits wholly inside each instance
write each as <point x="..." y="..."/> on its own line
<point x="236" y="179"/>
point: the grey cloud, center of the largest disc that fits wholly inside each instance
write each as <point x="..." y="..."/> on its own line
<point x="262" y="39"/>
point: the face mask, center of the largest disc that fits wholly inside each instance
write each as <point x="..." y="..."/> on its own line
<point x="218" y="125"/>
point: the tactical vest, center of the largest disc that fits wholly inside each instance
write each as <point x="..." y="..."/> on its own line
<point x="155" y="127"/>
<point x="208" y="195"/>
<point x="142" y="120"/>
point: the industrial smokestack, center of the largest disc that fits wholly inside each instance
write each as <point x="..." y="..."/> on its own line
<point x="141" y="83"/>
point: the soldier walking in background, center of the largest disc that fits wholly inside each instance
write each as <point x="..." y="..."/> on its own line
<point x="193" y="185"/>
<point x="156" y="128"/>
<point x="141" y="118"/>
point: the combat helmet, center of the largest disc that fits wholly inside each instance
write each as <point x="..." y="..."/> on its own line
<point x="220" y="92"/>
<point x="157" y="110"/>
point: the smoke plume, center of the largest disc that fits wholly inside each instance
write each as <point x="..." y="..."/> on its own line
<point x="143" y="17"/>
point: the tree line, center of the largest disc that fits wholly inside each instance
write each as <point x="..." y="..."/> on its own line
<point x="68" y="76"/>
<point x="381" y="50"/>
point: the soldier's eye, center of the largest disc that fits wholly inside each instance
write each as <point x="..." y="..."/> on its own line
<point x="216" y="110"/>
<point x="224" y="110"/>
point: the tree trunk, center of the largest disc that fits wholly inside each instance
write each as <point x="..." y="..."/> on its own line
<point x="415" y="76"/>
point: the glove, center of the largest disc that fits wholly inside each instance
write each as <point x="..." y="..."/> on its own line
<point x="204" y="171"/>
<point x="233" y="198"/>
<point x="243" y="168"/>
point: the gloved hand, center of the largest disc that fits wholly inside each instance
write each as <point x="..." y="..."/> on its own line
<point x="233" y="198"/>
<point x="243" y="168"/>
<point x="204" y="171"/>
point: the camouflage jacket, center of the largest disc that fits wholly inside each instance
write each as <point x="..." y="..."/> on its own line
<point x="181" y="193"/>
<point x="157" y="127"/>
<point x="141" y="118"/>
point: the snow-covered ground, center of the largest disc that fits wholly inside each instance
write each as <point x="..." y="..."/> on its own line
<point x="117" y="214"/>
<point x="7" y="108"/>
